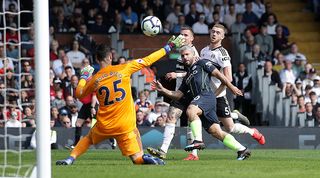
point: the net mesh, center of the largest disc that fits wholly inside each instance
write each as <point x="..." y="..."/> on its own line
<point x="16" y="87"/>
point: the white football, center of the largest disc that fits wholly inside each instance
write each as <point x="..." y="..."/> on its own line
<point x="151" y="25"/>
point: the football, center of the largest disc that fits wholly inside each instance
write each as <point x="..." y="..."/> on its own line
<point x="151" y="25"/>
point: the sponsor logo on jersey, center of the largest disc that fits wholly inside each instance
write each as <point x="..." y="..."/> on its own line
<point x="226" y="58"/>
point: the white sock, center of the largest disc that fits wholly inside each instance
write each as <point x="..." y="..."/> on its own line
<point x="190" y="139"/>
<point x="234" y="115"/>
<point x="168" y="134"/>
<point x="241" y="129"/>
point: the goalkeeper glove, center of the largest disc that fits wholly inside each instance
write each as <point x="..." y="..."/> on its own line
<point x="174" y="42"/>
<point x="86" y="72"/>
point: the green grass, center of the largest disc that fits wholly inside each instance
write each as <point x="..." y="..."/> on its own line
<point x="213" y="164"/>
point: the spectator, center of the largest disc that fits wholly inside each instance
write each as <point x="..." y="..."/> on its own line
<point x="230" y="18"/>
<point x="200" y="27"/>
<point x="27" y="81"/>
<point x="298" y="65"/>
<point x="60" y="65"/>
<point x="130" y="20"/>
<point x="53" y="137"/>
<point x="192" y="16"/>
<point x="12" y="50"/>
<point x="158" y="8"/>
<point x="54" y="113"/>
<point x="249" y="17"/>
<point x="264" y="16"/>
<point x="301" y="104"/>
<point x="238" y="26"/>
<point x="272" y="74"/>
<point x="316" y="86"/>
<point x="76" y="20"/>
<point x="181" y="22"/>
<point x="99" y="26"/>
<point x="12" y="34"/>
<point x="141" y="119"/>
<point x="86" y="42"/>
<point x="306" y="71"/>
<point x="149" y="73"/>
<point x="309" y="115"/>
<point x="172" y="18"/>
<point x="280" y="41"/>
<point x="75" y="56"/>
<point x="314" y="100"/>
<point x="208" y="10"/>
<point x="243" y="81"/>
<point x="152" y="116"/>
<point x="61" y="23"/>
<point x="286" y="74"/>
<point x="279" y="62"/>
<point x="66" y="78"/>
<point x="258" y="8"/>
<point x="107" y="11"/>
<point x="160" y="122"/>
<point x="70" y="90"/>
<point x="27" y="68"/>
<point x="28" y="120"/>
<point x="28" y="40"/>
<point x="271" y="24"/>
<point x="74" y="114"/>
<point x="294" y="51"/>
<point x="13" y="120"/>
<point x="240" y="6"/>
<point x="58" y="101"/>
<point x="265" y="41"/>
<point x="122" y="60"/>
<point x="198" y="7"/>
<point x="143" y="104"/>
<point x="64" y="120"/>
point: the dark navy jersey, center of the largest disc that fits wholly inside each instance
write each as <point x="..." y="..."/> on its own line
<point x="198" y="78"/>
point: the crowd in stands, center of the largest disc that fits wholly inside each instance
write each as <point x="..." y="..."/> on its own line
<point x="254" y="27"/>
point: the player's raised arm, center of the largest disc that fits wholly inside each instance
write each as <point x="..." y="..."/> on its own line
<point x="85" y="85"/>
<point x="216" y="73"/>
<point x="173" y="42"/>
<point x="175" y="95"/>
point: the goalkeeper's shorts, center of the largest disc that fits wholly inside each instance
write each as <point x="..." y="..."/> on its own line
<point x="128" y="143"/>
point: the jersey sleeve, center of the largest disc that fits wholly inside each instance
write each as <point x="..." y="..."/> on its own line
<point x="224" y="59"/>
<point x="137" y="64"/>
<point x="85" y="88"/>
<point x="207" y="65"/>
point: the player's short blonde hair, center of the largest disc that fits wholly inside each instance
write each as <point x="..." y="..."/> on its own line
<point x="221" y="27"/>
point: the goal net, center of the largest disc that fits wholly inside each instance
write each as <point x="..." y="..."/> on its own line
<point x="18" y="80"/>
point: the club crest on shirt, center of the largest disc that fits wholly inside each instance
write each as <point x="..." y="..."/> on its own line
<point x="139" y="60"/>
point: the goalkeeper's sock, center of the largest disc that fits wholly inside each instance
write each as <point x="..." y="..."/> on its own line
<point x="77" y="135"/>
<point x="230" y="142"/>
<point x="168" y="136"/>
<point x="196" y="128"/>
<point x="241" y="129"/>
<point x="81" y="147"/>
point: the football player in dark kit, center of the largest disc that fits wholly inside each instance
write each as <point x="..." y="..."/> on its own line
<point x="202" y="109"/>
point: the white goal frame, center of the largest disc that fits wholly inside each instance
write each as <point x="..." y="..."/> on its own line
<point x="42" y="65"/>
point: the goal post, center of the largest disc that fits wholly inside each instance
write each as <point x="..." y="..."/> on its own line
<point x="42" y="65"/>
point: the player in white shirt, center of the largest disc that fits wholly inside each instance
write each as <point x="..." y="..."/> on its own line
<point x="219" y="56"/>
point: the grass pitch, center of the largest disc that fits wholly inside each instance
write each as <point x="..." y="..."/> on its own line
<point x="212" y="163"/>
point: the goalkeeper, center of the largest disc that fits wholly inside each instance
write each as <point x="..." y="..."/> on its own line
<point x="116" y="116"/>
